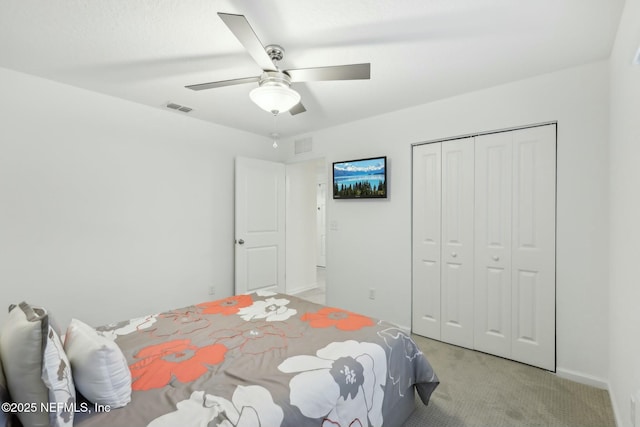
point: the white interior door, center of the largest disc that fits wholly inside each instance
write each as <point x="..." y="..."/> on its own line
<point x="533" y="246"/>
<point x="259" y="225"/>
<point x="457" y="274"/>
<point x="493" y="243"/>
<point x="426" y="240"/>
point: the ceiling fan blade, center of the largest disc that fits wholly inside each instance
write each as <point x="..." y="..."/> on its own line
<point x="211" y="85"/>
<point x="338" y="72"/>
<point x="297" y="109"/>
<point x="240" y="27"/>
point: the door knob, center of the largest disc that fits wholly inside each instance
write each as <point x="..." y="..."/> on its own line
<point x="496" y="258"/>
<point x="241" y="242"/>
<point x="453" y="254"/>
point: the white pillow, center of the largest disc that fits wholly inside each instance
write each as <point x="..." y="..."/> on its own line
<point x="98" y="365"/>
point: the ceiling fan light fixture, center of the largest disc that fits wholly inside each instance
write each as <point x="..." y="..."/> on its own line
<point x="274" y="94"/>
<point x="275" y="99"/>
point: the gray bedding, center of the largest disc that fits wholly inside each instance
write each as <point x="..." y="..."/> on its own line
<point x="267" y="360"/>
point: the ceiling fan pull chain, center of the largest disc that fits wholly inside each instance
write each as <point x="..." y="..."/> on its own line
<point x="274" y="134"/>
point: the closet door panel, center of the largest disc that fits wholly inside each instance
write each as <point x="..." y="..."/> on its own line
<point x="533" y="242"/>
<point x="426" y="240"/>
<point x="495" y="284"/>
<point x="493" y="174"/>
<point x="457" y="242"/>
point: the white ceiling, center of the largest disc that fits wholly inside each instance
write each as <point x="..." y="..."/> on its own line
<point x="146" y="51"/>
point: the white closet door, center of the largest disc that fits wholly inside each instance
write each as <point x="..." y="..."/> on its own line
<point x="515" y="245"/>
<point x="426" y="240"/>
<point x="493" y="174"/>
<point x="533" y="246"/>
<point x="457" y="275"/>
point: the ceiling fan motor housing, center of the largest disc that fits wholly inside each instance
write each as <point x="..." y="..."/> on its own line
<point x="275" y="52"/>
<point x="275" y="78"/>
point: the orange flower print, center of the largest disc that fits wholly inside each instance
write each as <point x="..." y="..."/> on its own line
<point x="344" y="320"/>
<point x="226" y="306"/>
<point x="178" y="358"/>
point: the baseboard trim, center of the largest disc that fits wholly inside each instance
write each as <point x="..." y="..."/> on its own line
<point x="582" y="378"/>
<point x="302" y="289"/>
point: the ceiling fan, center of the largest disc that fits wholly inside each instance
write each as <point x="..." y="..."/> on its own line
<point x="274" y="93"/>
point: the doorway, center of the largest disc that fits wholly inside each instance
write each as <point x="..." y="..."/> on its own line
<point x="294" y="262"/>
<point x="306" y="229"/>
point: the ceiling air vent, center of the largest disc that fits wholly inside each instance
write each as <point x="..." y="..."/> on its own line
<point x="303" y="145"/>
<point x="179" y="107"/>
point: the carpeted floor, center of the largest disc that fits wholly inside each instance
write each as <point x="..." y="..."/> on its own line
<point x="477" y="389"/>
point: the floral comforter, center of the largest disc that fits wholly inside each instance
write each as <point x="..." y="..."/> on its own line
<point x="264" y="359"/>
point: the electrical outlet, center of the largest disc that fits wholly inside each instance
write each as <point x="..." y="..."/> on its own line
<point x="372" y="293"/>
<point x="212" y="290"/>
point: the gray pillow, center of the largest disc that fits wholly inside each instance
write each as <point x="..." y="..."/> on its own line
<point x="36" y="367"/>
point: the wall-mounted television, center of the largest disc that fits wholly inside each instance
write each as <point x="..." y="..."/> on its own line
<point x="360" y="179"/>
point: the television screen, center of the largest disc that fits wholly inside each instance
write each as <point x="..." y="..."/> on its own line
<point x="360" y="179"/>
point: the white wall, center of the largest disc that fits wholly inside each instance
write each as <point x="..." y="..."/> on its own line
<point x="301" y="226"/>
<point x="110" y="209"/>
<point x="372" y="244"/>
<point x="624" y="304"/>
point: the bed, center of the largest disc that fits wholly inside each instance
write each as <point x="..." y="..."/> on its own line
<point x="263" y="359"/>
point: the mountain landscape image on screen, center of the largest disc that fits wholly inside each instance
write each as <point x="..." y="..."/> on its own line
<point x="360" y="179"/>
